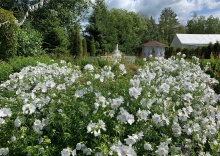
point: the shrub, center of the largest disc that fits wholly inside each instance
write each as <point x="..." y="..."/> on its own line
<point x="5" y="71"/>
<point x="8" y="35"/>
<point x="167" y="108"/>
<point x="30" y="43"/>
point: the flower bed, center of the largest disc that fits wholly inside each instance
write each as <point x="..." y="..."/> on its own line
<point x="167" y="108"/>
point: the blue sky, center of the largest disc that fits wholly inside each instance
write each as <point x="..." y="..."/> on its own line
<point x="183" y="8"/>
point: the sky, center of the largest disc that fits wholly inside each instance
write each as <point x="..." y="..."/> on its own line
<point x="183" y="8"/>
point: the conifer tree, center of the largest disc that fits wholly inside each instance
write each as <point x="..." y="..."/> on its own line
<point x="84" y="44"/>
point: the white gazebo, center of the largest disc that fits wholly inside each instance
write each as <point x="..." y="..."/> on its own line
<point x="153" y="49"/>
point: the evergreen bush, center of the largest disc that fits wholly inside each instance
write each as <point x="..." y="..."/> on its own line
<point x="8" y="35"/>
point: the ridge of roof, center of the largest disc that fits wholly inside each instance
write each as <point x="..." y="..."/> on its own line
<point x="154" y="43"/>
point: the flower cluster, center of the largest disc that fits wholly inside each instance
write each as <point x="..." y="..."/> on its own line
<point x="167" y="108"/>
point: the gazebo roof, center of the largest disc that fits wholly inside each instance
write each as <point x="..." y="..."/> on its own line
<point x="154" y="44"/>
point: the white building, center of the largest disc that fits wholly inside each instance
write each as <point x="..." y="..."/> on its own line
<point x="153" y="49"/>
<point x="194" y="40"/>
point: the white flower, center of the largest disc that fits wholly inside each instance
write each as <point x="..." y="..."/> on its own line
<point x="74" y="152"/>
<point x="131" y="140"/>
<point x="122" y="68"/>
<point x="78" y="146"/>
<point x="135" y="92"/>
<point x="156" y="118"/>
<point x="65" y="152"/>
<point x="4" y="151"/>
<point x="89" y="67"/>
<point x="37" y="126"/>
<point x="13" y="139"/>
<point x="97" y="76"/>
<point x="17" y="122"/>
<point x="80" y="93"/>
<point x="123" y="150"/>
<point x="125" y="117"/>
<point x="61" y="87"/>
<point x="28" y="108"/>
<point x="142" y="115"/>
<point x="147" y="146"/>
<point x="162" y="150"/>
<point x="5" y="112"/>
<point x="2" y="121"/>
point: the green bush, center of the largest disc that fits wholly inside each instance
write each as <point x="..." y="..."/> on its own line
<point x="8" y="35"/>
<point x="5" y="71"/>
<point x="30" y="42"/>
<point x="102" y="62"/>
<point x="18" y="63"/>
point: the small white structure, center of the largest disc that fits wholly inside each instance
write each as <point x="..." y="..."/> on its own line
<point x="153" y="49"/>
<point x="194" y="40"/>
<point x="117" y="54"/>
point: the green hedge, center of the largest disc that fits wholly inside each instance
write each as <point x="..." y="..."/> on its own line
<point x="8" y="35"/>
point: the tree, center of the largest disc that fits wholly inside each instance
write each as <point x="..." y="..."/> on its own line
<point x="168" y="24"/>
<point x="92" y="47"/>
<point x="84" y="44"/>
<point x="152" y="32"/>
<point x="97" y="27"/>
<point x="117" y="27"/>
<point x="201" y="25"/>
<point x="18" y="7"/>
<point x="216" y="48"/>
<point x="76" y="42"/>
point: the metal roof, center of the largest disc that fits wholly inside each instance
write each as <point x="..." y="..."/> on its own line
<point x="198" y="39"/>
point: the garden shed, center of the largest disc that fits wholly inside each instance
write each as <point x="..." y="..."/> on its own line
<point x="194" y="40"/>
<point x="153" y="49"/>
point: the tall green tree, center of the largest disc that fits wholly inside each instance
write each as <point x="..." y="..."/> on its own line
<point x="84" y="45"/>
<point x="92" y="47"/>
<point x="117" y="27"/>
<point x="201" y="25"/>
<point x="168" y="24"/>
<point x="152" y="32"/>
<point x="76" y="43"/>
<point x="97" y="27"/>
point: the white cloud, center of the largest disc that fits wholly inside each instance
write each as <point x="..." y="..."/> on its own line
<point x="183" y="8"/>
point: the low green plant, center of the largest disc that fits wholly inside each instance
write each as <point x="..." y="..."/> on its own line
<point x="5" y="70"/>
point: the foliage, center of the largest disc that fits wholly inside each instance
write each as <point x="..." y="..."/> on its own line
<point x="167" y="108"/>
<point x="17" y="7"/>
<point x="84" y="45"/>
<point x="5" y="71"/>
<point x="55" y="37"/>
<point x="116" y="26"/>
<point x="152" y="32"/>
<point x="169" y="51"/>
<point x="30" y="43"/>
<point x="8" y="35"/>
<point x="76" y="43"/>
<point x="201" y="25"/>
<point x="93" y="47"/>
<point x="168" y="22"/>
